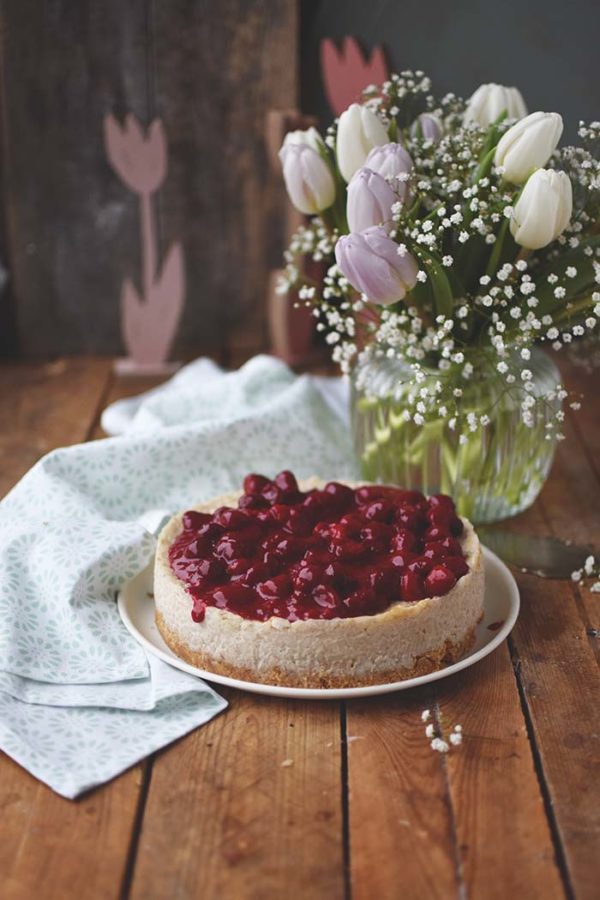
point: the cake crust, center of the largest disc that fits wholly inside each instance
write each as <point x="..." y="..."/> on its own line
<point x="434" y="660"/>
<point x="405" y="640"/>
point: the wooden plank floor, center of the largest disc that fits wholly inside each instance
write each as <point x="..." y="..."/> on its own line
<point x="363" y="808"/>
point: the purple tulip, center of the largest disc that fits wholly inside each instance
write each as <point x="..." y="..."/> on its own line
<point x="370" y="201"/>
<point x="427" y="126"/>
<point x="393" y="163"/>
<point x="371" y="263"/>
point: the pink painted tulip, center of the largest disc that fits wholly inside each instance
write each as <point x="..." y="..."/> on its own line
<point x="139" y="159"/>
<point x="371" y="263"/>
<point x="149" y="319"/>
<point x="347" y="72"/>
<point x="370" y="201"/>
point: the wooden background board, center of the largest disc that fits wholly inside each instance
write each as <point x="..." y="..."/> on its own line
<point x="210" y="71"/>
<point x="365" y="809"/>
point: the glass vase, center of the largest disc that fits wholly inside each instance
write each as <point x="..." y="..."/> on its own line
<point x="493" y="472"/>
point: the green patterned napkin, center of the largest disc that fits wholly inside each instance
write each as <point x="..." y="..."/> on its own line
<point x="80" y="700"/>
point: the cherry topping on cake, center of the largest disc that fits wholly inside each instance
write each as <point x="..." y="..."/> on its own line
<point x="440" y="580"/>
<point x="412" y="587"/>
<point x="340" y="493"/>
<point x="255" y="484"/>
<point x="338" y="552"/>
<point x="286" y="481"/>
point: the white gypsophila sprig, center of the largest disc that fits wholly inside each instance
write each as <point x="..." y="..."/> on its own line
<point x="402" y="97"/>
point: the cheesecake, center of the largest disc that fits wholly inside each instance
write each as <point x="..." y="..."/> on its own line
<point x="320" y="584"/>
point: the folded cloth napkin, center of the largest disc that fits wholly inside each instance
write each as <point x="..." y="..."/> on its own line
<point x="175" y="401"/>
<point x="80" y="700"/>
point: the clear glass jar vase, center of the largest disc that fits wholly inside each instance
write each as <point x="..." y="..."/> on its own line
<point x="492" y="473"/>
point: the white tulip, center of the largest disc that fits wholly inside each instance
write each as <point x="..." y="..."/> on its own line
<point x="528" y="145"/>
<point x="543" y="210"/>
<point x="359" y="130"/>
<point x="311" y="137"/>
<point x="490" y="100"/>
<point x="308" y="180"/>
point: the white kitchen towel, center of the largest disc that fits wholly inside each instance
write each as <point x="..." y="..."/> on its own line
<point x="80" y="700"/>
<point x="179" y="400"/>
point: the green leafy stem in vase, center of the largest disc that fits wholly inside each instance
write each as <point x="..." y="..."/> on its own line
<point x="492" y="471"/>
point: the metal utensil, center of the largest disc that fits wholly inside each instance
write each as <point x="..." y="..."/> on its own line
<point x="547" y="557"/>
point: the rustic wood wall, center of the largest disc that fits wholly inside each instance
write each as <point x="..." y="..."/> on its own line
<point x="210" y="69"/>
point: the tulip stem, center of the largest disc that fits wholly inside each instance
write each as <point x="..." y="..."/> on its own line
<point x="496" y="253"/>
<point x="484" y="166"/>
<point x="576" y="308"/>
<point x="148" y="243"/>
<point x="523" y="254"/>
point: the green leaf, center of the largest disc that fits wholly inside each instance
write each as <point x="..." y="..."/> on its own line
<point x="488" y="151"/>
<point x="442" y="290"/>
<point x="485" y="166"/>
<point x="494" y="262"/>
<point x="492" y="135"/>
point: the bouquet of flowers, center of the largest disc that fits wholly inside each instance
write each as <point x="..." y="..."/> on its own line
<point x="453" y="237"/>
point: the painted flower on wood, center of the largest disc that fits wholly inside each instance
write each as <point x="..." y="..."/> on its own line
<point x="149" y="319"/>
<point x="347" y="72"/>
<point x="139" y="159"/>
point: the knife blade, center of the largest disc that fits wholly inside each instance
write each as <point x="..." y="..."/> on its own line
<point x="547" y="557"/>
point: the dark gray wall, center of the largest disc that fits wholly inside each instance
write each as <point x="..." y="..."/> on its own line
<point x="547" y="48"/>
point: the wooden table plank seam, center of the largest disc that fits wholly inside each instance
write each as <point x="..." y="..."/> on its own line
<point x="345" y="800"/>
<point x="129" y="869"/>
<point x="559" y="850"/>
<point x="437" y="719"/>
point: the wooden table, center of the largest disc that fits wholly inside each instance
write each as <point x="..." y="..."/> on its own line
<point x="366" y="809"/>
